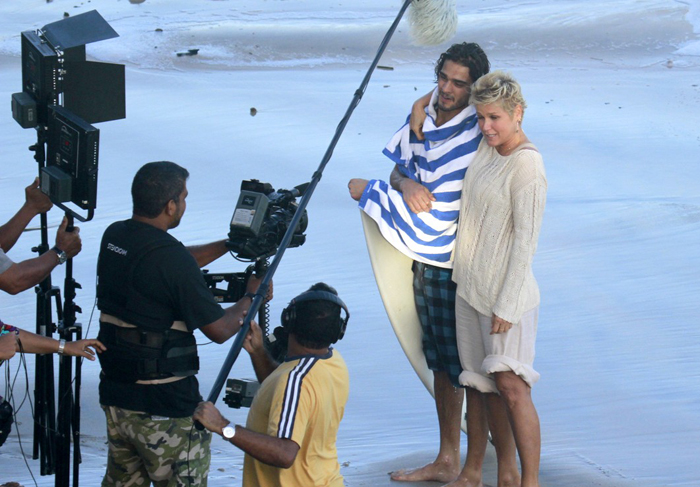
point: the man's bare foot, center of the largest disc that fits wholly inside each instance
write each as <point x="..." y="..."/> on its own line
<point x="436" y="472"/>
<point x="465" y="482"/>
<point x="357" y="187"/>
<point x="508" y="477"/>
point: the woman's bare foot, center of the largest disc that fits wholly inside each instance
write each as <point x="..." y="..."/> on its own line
<point x="436" y="472"/>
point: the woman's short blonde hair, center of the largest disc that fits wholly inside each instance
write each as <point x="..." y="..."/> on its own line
<point x="498" y="87"/>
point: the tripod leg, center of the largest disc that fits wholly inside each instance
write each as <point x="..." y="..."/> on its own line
<point x="77" y="456"/>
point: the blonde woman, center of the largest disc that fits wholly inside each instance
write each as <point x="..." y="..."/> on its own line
<point x="503" y="200"/>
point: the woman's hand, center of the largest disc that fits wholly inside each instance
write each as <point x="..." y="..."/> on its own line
<point x="84" y="348"/>
<point x="8" y="346"/>
<point x="499" y="325"/>
<point x="418" y="115"/>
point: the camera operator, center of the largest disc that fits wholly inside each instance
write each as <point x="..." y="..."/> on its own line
<point x="152" y="297"/>
<point x="17" y="277"/>
<point x="290" y="435"/>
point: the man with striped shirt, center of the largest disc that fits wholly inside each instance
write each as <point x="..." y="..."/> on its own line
<point x="290" y="435"/>
<point x="417" y="213"/>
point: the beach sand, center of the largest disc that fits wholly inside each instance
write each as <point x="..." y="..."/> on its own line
<point x="613" y="97"/>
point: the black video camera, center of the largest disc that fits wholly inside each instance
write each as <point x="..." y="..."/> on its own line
<point x="233" y="285"/>
<point x="240" y="392"/>
<point x="261" y="219"/>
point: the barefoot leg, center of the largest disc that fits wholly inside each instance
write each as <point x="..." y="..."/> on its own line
<point x="503" y="441"/>
<point x="477" y="438"/>
<point x="448" y="400"/>
<point x="524" y="422"/>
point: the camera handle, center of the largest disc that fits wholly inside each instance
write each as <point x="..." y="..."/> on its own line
<point x="265" y="284"/>
<point x="261" y="267"/>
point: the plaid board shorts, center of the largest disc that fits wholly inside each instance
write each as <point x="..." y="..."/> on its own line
<point x="169" y="452"/>
<point x="435" y="293"/>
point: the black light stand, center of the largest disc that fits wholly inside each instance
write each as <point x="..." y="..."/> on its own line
<point x="265" y="284"/>
<point x="53" y="433"/>
<point x="45" y="416"/>
<point x="62" y="94"/>
<point x="68" y="384"/>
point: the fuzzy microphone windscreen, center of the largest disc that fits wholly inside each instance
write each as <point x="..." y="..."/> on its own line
<point x="432" y="21"/>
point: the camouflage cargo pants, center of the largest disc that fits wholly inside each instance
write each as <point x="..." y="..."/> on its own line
<point x="143" y="448"/>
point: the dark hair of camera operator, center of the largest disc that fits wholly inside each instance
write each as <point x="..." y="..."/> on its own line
<point x="290" y="435"/>
<point x="152" y="297"/>
<point x="155" y="185"/>
<point x="318" y="324"/>
<point x="17" y="277"/>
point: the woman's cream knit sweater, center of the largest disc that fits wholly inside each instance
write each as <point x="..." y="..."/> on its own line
<point x="503" y="200"/>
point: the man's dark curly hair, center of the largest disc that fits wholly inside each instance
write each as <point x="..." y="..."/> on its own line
<point x="469" y="55"/>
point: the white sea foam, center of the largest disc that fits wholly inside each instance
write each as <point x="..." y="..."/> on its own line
<point x="692" y="47"/>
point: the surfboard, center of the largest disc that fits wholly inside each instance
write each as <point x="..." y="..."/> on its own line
<point x="392" y="271"/>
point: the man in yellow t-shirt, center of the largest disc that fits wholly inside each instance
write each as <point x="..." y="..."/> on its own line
<point x="290" y="435"/>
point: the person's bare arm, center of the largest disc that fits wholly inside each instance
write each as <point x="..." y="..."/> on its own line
<point x="8" y="346"/>
<point x="228" y="325"/>
<point x="418" y="114"/>
<point x="208" y="253"/>
<point x="33" y="343"/>
<point x="35" y="202"/>
<point x="28" y="273"/>
<point x="278" y="452"/>
<point x="263" y="364"/>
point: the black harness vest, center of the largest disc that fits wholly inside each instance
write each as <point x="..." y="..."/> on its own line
<point x="152" y="350"/>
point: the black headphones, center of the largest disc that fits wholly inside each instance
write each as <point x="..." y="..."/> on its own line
<point x="289" y="314"/>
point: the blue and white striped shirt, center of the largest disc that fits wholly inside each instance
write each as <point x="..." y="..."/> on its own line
<point x="439" y="163"/>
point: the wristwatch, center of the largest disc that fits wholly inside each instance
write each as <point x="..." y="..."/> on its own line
<point x="62" y="257"/>
<point x="229" y="432"/>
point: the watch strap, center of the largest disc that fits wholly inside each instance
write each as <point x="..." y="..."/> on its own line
<point x="62" y="257"/>
<point x="228" y="431"/>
